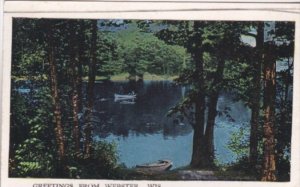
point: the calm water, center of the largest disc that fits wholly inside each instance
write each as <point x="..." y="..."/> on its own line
<point x="144" y="133"/>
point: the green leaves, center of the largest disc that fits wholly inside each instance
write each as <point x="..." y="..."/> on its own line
<point x="33" y="147"/>
<point x="239" y="142"/>
<point x="31" y="133"/>
<point x="32" y="159"/>
<point x="101" y="164"/>
<point x="143" y="52"/>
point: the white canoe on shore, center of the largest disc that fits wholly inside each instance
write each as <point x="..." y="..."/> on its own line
<point x="160" y="165"/>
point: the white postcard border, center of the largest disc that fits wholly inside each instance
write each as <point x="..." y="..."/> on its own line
<point x="109" y="11"/>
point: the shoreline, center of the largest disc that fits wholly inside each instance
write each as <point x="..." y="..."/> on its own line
<point x="119" y="77"/>
<point x="125" y="77"/>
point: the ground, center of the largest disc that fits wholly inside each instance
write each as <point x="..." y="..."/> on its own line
<point x="188" y="174"/>
<point x="197" y="175"/>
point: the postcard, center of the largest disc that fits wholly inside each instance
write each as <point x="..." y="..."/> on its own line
<point x="156" y="94"/>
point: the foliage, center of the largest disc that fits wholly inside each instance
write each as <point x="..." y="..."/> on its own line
<point x="143" y="52"/>
<point x="33" y="147"/>
<point x="32" y="156"/>
<point x="238" y="171"/>
<point x="216" y="37"/>
<point x="239" y="142"/>
<point x="101" y="164"/>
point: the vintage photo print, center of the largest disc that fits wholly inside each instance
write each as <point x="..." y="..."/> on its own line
<point x="111" y="95"/>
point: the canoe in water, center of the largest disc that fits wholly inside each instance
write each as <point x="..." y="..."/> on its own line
<point x="129" y="96"/>
<point x="160" y="165"/>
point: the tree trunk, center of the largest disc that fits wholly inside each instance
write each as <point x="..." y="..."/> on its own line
<point x="90" y="91"/>
<point x="256" y="94"/>
<point x="212" y="111"/>
<point x="75" y="97"/>
<point x="199" y="157"/>
<point x="80" y="43"/>
<point x="269" y="167"/>
<point x="59" y="134"/>
<point x="209" y="133"/>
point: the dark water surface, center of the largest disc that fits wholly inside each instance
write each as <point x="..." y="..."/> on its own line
<point x="143" y="132"/>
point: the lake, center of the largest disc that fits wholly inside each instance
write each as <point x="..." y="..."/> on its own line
<point x="142" y="131"/>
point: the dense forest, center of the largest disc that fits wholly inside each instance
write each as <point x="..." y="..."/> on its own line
<point x="57" y="63"/>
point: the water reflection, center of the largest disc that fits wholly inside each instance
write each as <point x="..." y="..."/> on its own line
<point x="147" y="115"/>
<point x="144" y="133"/>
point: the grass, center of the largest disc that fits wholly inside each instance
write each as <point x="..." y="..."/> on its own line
<point x="124" y="77"/>
<point x="33" y="78"/>
<point x="148" y="76"/>
<point x="118" y="77"/>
